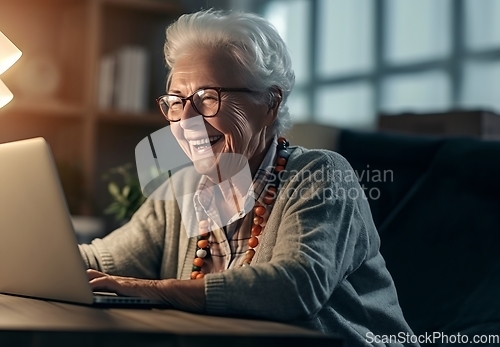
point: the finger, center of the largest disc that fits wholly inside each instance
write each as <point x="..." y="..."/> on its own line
<point x="106" y="284"/>
<point x="91" y="274"/>
<point x="115" y="285"/>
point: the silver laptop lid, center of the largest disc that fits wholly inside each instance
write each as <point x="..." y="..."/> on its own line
<point x="39" y="256"/>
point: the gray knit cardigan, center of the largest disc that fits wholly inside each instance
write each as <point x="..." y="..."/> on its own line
<point x="318" y="263"/>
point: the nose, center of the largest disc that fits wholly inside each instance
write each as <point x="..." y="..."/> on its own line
<point x="190" y="118"/>
<point x="188" y="111"/>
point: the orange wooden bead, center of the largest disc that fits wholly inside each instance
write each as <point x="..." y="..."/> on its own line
<point x="249" y="253"/>
<point x="281" y="161"/>
<point x="253" y="242"/>
<point x="271" y="190"/>
<point x="268" y="199"/>
<point x="257" y="220"/>
<point x="203" y="243"/>
<point x="256" y="230"/>
<point x="198" y="262"/>
<point x="260" y="211"/>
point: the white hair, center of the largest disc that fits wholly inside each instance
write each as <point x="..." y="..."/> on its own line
<point x="250" y="40"/>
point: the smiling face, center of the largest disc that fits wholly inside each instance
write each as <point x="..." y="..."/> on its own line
<point x="241" y="126"/>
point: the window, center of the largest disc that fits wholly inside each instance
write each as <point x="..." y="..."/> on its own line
<point x="292" y="19"/>
<point x="345" y="105"/>
<point x="344" y="38"/>
<point x="355" y="59"/>
<point x="416" y="31"/>
<point x="427" y="91"/>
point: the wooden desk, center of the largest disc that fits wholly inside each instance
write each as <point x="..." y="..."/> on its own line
<point x="38" y="323"/>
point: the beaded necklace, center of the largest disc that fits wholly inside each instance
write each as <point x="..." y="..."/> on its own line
<point x="261" y="214"/>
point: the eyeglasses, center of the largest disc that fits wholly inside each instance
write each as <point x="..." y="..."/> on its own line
<point x="205" y="101"/>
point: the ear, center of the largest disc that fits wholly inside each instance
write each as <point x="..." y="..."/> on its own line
<point x="275" y="98"/>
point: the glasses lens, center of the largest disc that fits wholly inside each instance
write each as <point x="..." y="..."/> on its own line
<point x="206" y="102"/>
<point x="172" y="107"/>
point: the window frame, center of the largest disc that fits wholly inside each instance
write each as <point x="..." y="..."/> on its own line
<point x="453" y="65"/>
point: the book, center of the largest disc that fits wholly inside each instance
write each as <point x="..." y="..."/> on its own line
<point x="123" y="79"/>
<point x="141" y="81"/>
<point x="106" y="82"/>
<point x="132" y="79"/>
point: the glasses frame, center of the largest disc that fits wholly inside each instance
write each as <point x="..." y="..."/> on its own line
<point x="190" y="98"/>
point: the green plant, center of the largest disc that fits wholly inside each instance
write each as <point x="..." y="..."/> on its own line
<point x="126" y="192"/>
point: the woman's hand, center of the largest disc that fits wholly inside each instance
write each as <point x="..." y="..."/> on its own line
<point x="126" y="286"/>
<point x="186" y="295"/>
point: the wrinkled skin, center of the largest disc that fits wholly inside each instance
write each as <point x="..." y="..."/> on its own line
<point x="243" y="123"/>
<point x="184" y="295"/>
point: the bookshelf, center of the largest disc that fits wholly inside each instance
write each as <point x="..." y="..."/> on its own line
<point x="56" y="82"/>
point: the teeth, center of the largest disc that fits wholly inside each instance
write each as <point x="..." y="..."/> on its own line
<point x="205" y="141"/>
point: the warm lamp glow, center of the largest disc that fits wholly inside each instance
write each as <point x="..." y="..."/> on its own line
<point x="5" y="95"/>
<point x="9" y="53"/>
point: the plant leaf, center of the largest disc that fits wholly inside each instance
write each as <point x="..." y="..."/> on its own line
<point x="114" y="189"/>
<point x="121" y="214"/>
<point x="112" y="208"/>
<point x="126" y="191"/>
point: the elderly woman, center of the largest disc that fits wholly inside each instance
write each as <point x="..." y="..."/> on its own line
<point x="307" y="253"/>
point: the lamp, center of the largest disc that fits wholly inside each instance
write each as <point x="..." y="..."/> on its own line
<point x="9" y="54"/>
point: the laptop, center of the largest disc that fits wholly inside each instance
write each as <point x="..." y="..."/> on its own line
<point x="39" y="256"/>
